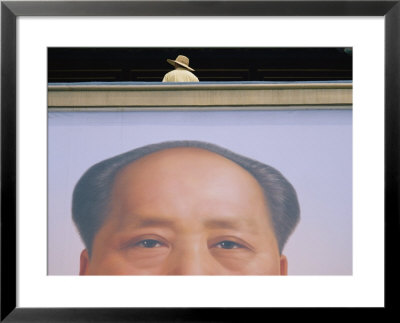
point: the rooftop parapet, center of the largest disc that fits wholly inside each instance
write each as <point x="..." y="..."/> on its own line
<point x="272" y="95"/>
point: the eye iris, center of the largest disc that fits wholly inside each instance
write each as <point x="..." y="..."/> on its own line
<point x="228" y="244"/>
<point x="149" y="243"/>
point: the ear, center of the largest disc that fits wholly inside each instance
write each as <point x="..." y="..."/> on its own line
<point x="84" y="263"/>
<point x="284" y="265"/>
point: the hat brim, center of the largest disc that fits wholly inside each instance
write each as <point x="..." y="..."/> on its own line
<point x="172" y="62"/>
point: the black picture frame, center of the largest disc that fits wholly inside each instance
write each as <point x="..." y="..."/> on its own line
<point x="11" y="10"/>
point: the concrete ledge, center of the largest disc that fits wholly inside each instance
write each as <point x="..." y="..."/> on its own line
<point x="199" y="95"/>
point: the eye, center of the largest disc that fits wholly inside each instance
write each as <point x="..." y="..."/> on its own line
<point x="227" y="244"/>
<point x="148" y="243"/>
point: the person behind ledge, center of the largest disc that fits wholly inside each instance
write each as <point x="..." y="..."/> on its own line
<point x="183" y="208"/>
<point x="182" y="72"/>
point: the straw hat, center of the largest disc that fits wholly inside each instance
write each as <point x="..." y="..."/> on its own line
<point x="182" y="61"/>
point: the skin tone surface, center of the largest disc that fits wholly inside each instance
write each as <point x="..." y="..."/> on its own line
<point x="185" y="211"/>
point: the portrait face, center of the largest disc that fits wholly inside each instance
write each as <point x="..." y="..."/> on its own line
<point x="185" y="211"/>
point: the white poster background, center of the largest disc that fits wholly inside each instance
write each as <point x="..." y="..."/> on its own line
<point x="364" y="288"/>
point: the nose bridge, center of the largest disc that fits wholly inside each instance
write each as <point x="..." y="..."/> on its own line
<point x="192" y="259"/>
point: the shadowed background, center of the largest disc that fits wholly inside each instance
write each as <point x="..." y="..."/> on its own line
<point x="210" y="64"/>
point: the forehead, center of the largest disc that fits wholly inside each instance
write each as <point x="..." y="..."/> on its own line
<point x="198" y="175"/>
<point x="184" y="162"/>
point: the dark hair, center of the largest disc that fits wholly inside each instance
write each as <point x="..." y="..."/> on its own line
<point x="92" y="192"/>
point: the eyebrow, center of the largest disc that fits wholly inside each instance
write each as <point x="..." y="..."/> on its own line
<point x="151" y="222"/>
<point x="144" y="222"/>
<point x="225" y="224"/>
